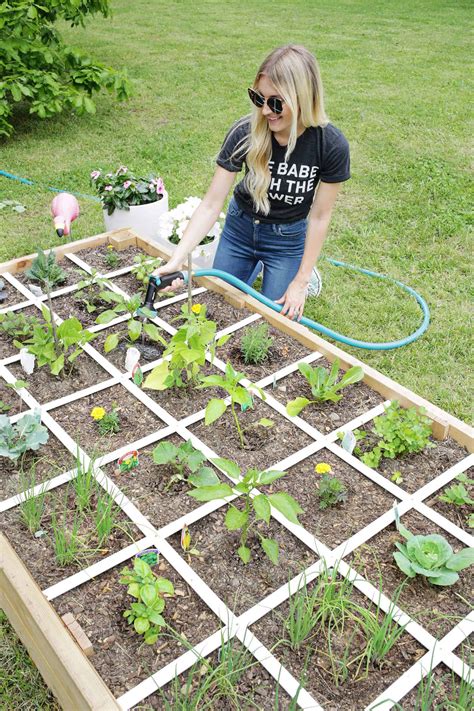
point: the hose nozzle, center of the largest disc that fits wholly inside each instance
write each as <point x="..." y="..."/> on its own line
<point x="157" y="283"/>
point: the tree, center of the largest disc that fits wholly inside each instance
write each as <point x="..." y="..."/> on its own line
<point x="37" y="67"/>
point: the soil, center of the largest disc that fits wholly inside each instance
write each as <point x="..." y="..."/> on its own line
<point x="46" y="387"/>
<point x="421" y="468"/>
<point x="38" y="553"/>
<point x="50" y="460"/>
<point x="9" y="397"/>
<point x="96" y="257"/>
<point x="7" y="349"/>
<point x="218" y="310"/>
<point x="254" y="689"/>
<point x="264" y="446"/>
<point x="437" y="608"/>
<point x="317" y="652"/>
<point x="136" y="420"/>
<point x="457" y="514"/>
<point x="129" y="284"/>
<point x="283" y="351"/>
<point x="150" y="350"/>
<point x="365" y="500"/>
<point x="120" y="656"/>
<point x="242" y="586"/>
<point x="181" y="402"/>
<point x="146" y="486"/>
<point x="442" y="688"/>
<point x="13" y="295"/>
<point x="327" y="416"/>
<point x="67" y="306"/>
<point x="466" y="650"/>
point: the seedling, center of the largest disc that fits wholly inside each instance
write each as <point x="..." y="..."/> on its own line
<point x="134" y="326"/>
<point x="27" y="434"/>
<point x="106" y="514"/>
<point x="143" y="267"/>
<point x="108" y="423"/>
<point x="457" y="494"/>
<point x="66" y="542"/>
<point x="17" y="385"/>
<point x="84" y="484"/>
<point x="16" y="325"/>
<point x="324" y="385"/>
<point x="399" y="431"/>
<point x="89" y="291"/>
<point x="255" y="508"/>
<point x="186" y="463"/>
<point x="185" y="354"/>
<point x="149" y="590"/>
<point x="331" y="491"/>
<point x="32" y="506"/>
<point x="186" y="541"/>
<point x="239" y="395"/>
<point x="111" y="259"/>
<point x="256" y="343"/>
<point x="430" y="556"/>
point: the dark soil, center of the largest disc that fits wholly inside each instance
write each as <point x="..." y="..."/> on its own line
<point x="68" y="305"/>
<point x="437" y="608"/>
<point x="7" y="349"/>
<point x="96" y="257"/>
<point x="218" y="310"/>
<point x="327" y="416"/>
<point x="457" y="514"/>
<point x="421" y="468"/>
<point x="136" y="420"/>
<point x="50" y="460"/>
<point x="264" y="446"/>
<point x="365" y="500"/>
<point x="129" y="284"/>
<point x="146" y="487"/>
<point x="120" y="656"/>
<point x="317" y="652"/>
<point x="9" y="398"/>
<point x="435" y="692"/>
<point x="38" y="553"/>
<point x="242" y="586"/>
<point x="283" y="351"/>
<point x="150" y="350"/>
<point x="254" y="689"/>
<point x="46" y="387"/>
<point x="13" y="295"/>
<point x="181" y="402"/>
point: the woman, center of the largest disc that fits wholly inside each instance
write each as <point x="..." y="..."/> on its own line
<point x="295" y="161"/>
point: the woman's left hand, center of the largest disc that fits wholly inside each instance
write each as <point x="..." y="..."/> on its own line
<point x="293" y="301"/>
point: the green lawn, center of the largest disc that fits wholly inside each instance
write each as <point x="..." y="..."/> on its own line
<point x="396" y="78"/>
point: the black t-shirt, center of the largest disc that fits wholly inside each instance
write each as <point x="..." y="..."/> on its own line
<point x="320" y="153"/>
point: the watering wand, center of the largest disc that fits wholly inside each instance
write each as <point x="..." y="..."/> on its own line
<point x="155" y="284"/>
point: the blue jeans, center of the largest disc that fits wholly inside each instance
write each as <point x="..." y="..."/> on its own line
<point x="246" y="242"/>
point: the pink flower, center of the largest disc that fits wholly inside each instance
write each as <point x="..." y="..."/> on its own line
<point x="127" y="184"/>
<point x="160" y="186"/>
<point x="123" y="169"/>
<point x="95" y="174"/>
<point x="108" y="188"/>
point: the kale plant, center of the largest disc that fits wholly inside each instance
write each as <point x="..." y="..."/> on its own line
<point x="324" y="384"/>
<point x="27" y="434"/>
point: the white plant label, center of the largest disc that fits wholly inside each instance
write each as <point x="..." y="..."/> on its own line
<point x="131" y="359"/>
<point x="27" y="361"/>
<point x="348" y="442"/>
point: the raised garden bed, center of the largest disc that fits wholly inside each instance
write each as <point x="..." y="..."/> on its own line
<point x="216" y="596"/>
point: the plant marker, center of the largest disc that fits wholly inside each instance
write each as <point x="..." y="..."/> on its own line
<point x="131" y="359"/>
<point x="27" y="361"/>
<point x="128" y="461"/>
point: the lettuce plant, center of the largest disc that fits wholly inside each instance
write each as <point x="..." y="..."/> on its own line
<point x="28" y="433"/>
<point x="324" y="384"/>
<point x="255" y="509"/>
<point x="431" y="556"/>
<point x="149" y="591"/>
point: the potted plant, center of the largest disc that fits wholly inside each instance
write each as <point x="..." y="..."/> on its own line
<point x="172" y="225"/>
<point x="130" y="201"/>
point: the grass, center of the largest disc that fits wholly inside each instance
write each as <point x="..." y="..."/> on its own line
<point x="395" y="82"/>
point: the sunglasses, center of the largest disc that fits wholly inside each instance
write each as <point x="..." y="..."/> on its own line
<point x="274" y="103"/>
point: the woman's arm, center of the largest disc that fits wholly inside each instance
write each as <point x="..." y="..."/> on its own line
<point x="203" y="219"/>
<point x="318" y="223"/>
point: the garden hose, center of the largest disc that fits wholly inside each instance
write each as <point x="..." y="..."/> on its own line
<point x="158" y="283"/>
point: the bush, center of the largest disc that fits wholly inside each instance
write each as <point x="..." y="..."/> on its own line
<point x="36" y="67"/>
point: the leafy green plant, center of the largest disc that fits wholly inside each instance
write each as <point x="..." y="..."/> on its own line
<point x="470" y="520"/>
<point x="108" y="423"/>
<point x="39" y="69"/>
<point x="27" y="434"/>
<point x="183" y="458"/>
<point x="111" y="259"/>
<point x="121" y="189"/>
<point x="45" y="270"/>
<point x="4" y="407"/>
<point x="17" y="385"/>
<point x="143" y="267"/>
<point x="239" y="395"/>
<point x="256" y="343"/>
<point x="399" y="431"/>
<point x="17" y="325"/>
<point x="457" y="494"/>
<point x="324" y="384"/>
<point x="88" y="294"/>
<point x="185" y="354"/>
<point x="149" y="591"/>
<point x="330" y="491"/>
<point x="134" y="326"/>
<point x="254" y="509"/>
<point x="55" y="351"/>
<point x="430" y="556"/>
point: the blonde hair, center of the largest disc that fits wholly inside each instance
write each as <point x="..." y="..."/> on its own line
<point x="295" y="74"/>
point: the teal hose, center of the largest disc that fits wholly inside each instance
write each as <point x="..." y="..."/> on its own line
<point x="384" y="346"/>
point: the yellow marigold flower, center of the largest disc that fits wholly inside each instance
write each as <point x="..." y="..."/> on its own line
<point x="110" y="246"/>
<point x="322" y="468"/>
<point x="196" y="308"/>
<point x="97" y="413"/>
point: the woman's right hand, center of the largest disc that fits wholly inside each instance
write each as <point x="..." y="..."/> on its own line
<point x="168" y="268"/>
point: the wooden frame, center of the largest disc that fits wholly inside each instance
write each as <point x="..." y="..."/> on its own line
<point x="62" y="664"/>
